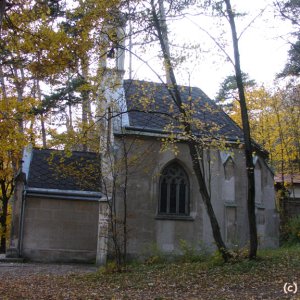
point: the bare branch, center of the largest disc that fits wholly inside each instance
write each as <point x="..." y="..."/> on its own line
<point x="252" y="21"/>
<point x="214" y="40"/>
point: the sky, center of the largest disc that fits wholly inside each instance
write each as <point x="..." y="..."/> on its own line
<point x="263" y="48"/>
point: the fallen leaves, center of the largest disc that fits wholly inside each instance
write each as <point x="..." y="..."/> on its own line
<point x="261" y="279"/>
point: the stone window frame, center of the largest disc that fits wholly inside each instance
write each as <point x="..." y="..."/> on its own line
<point x="166" y="174"/>
<point x="258" y="166"/>
<point x="226" y="159"/>
<point x="229" y="160"/>
<point x="230" y="205"/>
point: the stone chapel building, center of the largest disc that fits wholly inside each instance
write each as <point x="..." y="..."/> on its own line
<point x="57" y="217"/>
<point x="60" y="218"/>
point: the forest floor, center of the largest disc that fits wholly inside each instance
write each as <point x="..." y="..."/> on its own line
<point x="274" y="275"/>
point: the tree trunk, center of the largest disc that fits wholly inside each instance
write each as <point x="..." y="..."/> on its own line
<point x="3" y="219"/>
<point x="43" y="130"/>
<point x="2" y="13"/>
<point x="247" y="136"/>
<point x="86" y="106"/>
<point x="207" y="202"/>
<point x="19" y="85"/>
<point x="125" y="202"/>
<point x="3" y="86"/>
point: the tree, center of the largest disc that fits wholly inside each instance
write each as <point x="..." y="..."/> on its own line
<point x="292" y="67"/>
<point x="228" y="90"/>
<point x="224" y="9"/>
<point x="274" y="120"/>
<point x="260" y="116"/>
<point x="195" y="145"/>
<point x="11" y="141"/>
<point x="2" y="12"/>
<point x="161" y="34"/>
<point x="37" y="50"/>
<point x="290" y="10"/>
<point x="246" y="131"/>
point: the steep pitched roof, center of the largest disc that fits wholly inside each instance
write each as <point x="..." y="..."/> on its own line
<point x="55" y="170"/>
<point x="151" y="108"/>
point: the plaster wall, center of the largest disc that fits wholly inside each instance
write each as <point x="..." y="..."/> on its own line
<point x="295" y="191"/>
<point x="267" y="216"/>
<point x="60" y="230"/>
<point x="147" y="229"/>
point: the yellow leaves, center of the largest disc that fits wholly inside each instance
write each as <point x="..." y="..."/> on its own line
<point x="12" y="105"/>
<point x="46" y="46"/>
<point x="274" y="124"/>
<point x="85" y="87"/>
<point x="52" y="50"/>
<point x="81" y="134"/>
<point x="146" y="102"/>
<point x="12" y="139"/>
<point x="169" y="143"/>
<point x="203" y="279"/>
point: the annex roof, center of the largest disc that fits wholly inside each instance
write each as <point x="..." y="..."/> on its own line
<point x="59" y="171"/>
<point x="151" y="108"/>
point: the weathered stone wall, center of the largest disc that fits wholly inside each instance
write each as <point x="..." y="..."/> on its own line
<point x="147" y="229"/>
<point x="60" y="230"/>
<point x="267" y="217"/>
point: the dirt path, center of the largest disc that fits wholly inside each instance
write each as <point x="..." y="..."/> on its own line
<point x="8" y="269"/>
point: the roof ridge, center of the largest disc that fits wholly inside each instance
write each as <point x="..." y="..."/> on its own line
<point x="164" y="84"/>
<point x="62" y="150"/>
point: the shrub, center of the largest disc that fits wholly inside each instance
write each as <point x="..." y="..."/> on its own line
<point x="191" y="253"/>
<point x="293" y="230"/>
<point x="155" y="255"/>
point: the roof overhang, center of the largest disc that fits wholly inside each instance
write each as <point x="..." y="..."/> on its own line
<point x="149" y="132"/>
<point x="64" y="194"/>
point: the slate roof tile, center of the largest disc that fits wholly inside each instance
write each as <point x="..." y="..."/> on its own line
<point x="53" y="169"/>
<point x="150" y="106"/>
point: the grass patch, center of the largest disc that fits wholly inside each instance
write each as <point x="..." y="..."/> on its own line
<point x="270" y="266"/>
<point x="267" y="259"/>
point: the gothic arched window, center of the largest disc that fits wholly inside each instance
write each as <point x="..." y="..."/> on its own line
<point x="229" y="169"/>
<point x="228" y="188"/>
<point x="174" y="191"/>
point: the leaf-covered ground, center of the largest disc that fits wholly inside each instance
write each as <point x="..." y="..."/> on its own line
<point x="261" y="279"/>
